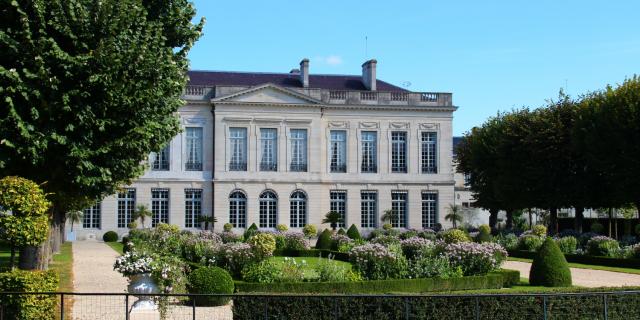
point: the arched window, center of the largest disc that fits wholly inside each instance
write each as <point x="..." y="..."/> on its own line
<point x="298" y="209"/>
<point x="238" y="209"/>
<point x="268" y="209"/>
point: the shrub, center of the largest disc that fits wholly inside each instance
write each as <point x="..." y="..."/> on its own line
<point x="427" y="234"/>
<point x="167" y="228"/>
<point x="253" y="229"/>
<point x="567" y="245"/>
<point x="110" y="236"/>
<point x="353" y="232"/>
<point x="227" y="227"/>
<point x="412" y="246"/>
<point x="208" y="280"/>
<point x="210" y="236"/>
<point x="328" y="270"/>
<point x="484" y="234"/>
<point x="597" y="227"/>
<point x="340" y="240"/>
<point x="530" y="242"/>
<point x="408" y="234"/>
<point x="27" y="307"/>
<point x="132" y="225"/>
<point x="236" y="255"/>
<point x="324" y="240"/>
<point x="585" y="237"/>
<point x="310" y="231"/>
<point x="637" y="229"/>
<point x="635" y="251"/>
<point x="539" y="230"/>
<point x="549" y="267"/>
<point x="282" y="227"/>
<point x="295" y="241"/>
<point x="200" y="250"/>
<point x="387" y="226"/>
<point x="280" y="240"/>
<point x="292" y="270"/>
<point x="230" y="237"/>
<point x="455" y="236"/>
<point x="474" y="258"/>
<point x="386" y="240"/>
<point x="603" y="246"/>
<point x="426" y="266"/>
<point x="262" y="272"/>
<point x="508" y="241"/>
<point x="342" y="232"/>
<point x="375" y="262"/>
<point x="263" y="245"/>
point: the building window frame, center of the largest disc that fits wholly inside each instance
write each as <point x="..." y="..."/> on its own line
<point x="399" y="151"/>
<point x="125" y="208"/>
<point x="369" y="151"/>
<point x="159" y="206"/>
<point x="238" y="209"/>
<point x="268" y="209"/>
<point x="238" y="148"/>
<point x="338" y="203"/>
<point x="298" y="209"/>
<point x="162" y="159"/>
<point x="338" y="151"/>
<point x="194" y="147"/>
<point x="299" y="161"/>
<point x="369" y="209"/>
<point x="92" y="216"/>
<point x="400" y="208"/>
<point x="268" y="149"/>
<point x="192" y="207"/>
<point x="429" y="152"/>
<point x="429" y="209"/>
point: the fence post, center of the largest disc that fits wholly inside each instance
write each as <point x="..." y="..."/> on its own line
<point x="126" y="306"/>
<point x="606" y="307"/>
<point x="406" y="308"/>
<point x="477" y="308"/>
<point x="62" y="306"/>
<point x="544" y="307"/>
<point x="193" y="312"/>
<point x="266" y="303"/>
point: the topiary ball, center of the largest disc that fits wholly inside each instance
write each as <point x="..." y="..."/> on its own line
<point x="484" y="235"/>
<point x="550" y="268"/>
<point x="324" y="240"/>
<point x="208" y="280"/>
<point x="110" y="236"/>
<point x="353" y="233"/>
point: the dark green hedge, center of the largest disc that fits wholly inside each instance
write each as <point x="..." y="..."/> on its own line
<point x="576" y="258"/>
<point x="503" y="278"/>
<point x="27" y="307"/>
<point x="500" y="307"/>
<point x="340" y="256"/>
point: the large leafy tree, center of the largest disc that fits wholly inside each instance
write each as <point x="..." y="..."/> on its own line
<point x="88" y="88"/>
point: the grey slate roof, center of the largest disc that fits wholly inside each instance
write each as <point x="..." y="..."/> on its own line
<point x="319" y="81"/>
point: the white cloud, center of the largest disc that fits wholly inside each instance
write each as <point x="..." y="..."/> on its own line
<point x="330" y="60"/>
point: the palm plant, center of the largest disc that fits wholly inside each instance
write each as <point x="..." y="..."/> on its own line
<point x="332" y="218"/>
<point x="389" y="216"/>
<point x="142" y="213"/>
<point x="454" y="215"/>
<point x="206" y="220"/>
<point x="74" y="217"/>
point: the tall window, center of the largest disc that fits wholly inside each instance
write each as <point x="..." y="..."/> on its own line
<point x="194" y="149"/>
<point x="192" y="207"/>
<point x="429" y="147"/>
<point x="238" y="143"/>
<point x="238" y="209"/>
<point x="91" y="217"/>
<point x="369" y="209"/>
<point x="298" y="210"/>
<point x="429" y="209"/>
<point x="338" y="151"/>
<point x="268" y="210"/>
<point x="467" y="180"/>
<point x="159" y="206"/>
<point x="399" y="151"/>
<point x="161" y="161"/>
<point x="298" y="150"/>
<point x="269" y="147"/>
<point x="126" y="205"/>
<point x="399" y="208"/>
<point x="339" y="204"/>
<point x="369" y="152"/>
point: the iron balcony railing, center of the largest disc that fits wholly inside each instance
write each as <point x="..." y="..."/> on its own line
<point x="298" y="167"/>
<point x="238" y="166"/>
<point x="268" y="167"/>
<point x="338" y="168"/>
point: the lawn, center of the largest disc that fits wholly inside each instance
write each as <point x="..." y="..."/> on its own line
<point x="117" y="246"/>
<point x="587" y="266"/>
<point x="311" y="263"/>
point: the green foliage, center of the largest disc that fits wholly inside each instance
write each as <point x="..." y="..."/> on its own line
<point x="207" y="280"/>
<point x="262" y="272"/>
<point x="530" y="242"/>
<point x="597" y="227"/>
<point x="132" y="225"/>
<point x="567" y="245"/>
<point x="74" y="216"/>
<point x="455" y="236"/>
<point x="110" y="236"/>
<point x="166" y="228"/>
<point x="454" y="214"/>
<point x="282" y="227"/>
<point x="341" y="231"/>
<point x="539" y="230"/>
<point x="353" y="232"/>
<point x="324" y="240"/>
<point x="143" y="213"/>
<point x="329" y="271"/>
<point x="263" y="245"/>
<point x="90" y="90"/>
<point x="387" y="226"/>
<point x="332" y="218"/>
<point x="637" y="230"/>
<point x="227" y="227"/>
<point x="251" y="231"/>
<point x="28" y="307"/>
<point x="549" y="267"/>
<point x="484" y="234"/>
<point x="310" y="231"/>
<point x="602" y="246"/>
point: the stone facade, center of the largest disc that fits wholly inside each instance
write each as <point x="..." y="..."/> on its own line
<point x="230" y="111"/>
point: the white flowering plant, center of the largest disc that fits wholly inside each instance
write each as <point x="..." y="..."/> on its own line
<point x="133" y="263"/>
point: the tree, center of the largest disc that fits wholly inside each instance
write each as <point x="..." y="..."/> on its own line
<point x="206" y="220"/>
<point x="332" y="218"/>
<point x="454" y="215"/>
<point x="89" y="89"/>
<point x="74" y="216"/>
<point x="142" y="213"/>
<point x="23" y="214"/>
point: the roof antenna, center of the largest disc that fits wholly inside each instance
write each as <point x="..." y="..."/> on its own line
<point x="366" y="47"/>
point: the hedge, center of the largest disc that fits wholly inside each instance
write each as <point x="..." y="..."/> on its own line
<point x="339" y="256"/>
<point x="495" y="280"/>
<point x="27" y="307"/>
<point x="583" y="259"/>
<point x="563" y="307"/>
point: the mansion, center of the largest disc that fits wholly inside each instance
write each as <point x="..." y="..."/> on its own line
<point x="286" y="148"/>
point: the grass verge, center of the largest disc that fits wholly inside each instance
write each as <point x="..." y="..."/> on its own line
<point x="587" y="266"/>
<point x="117" y="246"/>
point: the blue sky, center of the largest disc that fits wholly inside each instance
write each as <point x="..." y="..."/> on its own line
<point x="492" y="55"/>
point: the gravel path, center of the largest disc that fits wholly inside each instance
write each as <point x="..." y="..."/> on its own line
<point x="93" y="273"/>
<point x="585" y="277"/>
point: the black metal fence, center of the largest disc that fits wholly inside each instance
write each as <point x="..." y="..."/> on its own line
<point x="564" y="306"/>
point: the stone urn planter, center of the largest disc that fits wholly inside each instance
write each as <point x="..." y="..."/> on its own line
<point x="143" y="283"/>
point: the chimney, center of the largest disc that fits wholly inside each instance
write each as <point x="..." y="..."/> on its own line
<point x="304" y="72"/>
<point x="369" y="74"/>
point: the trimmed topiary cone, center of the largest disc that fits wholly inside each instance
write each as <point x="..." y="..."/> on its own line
<point x="324" y="240"/>
<point x="550" y="268"/>
<point x="353" y="233"/>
